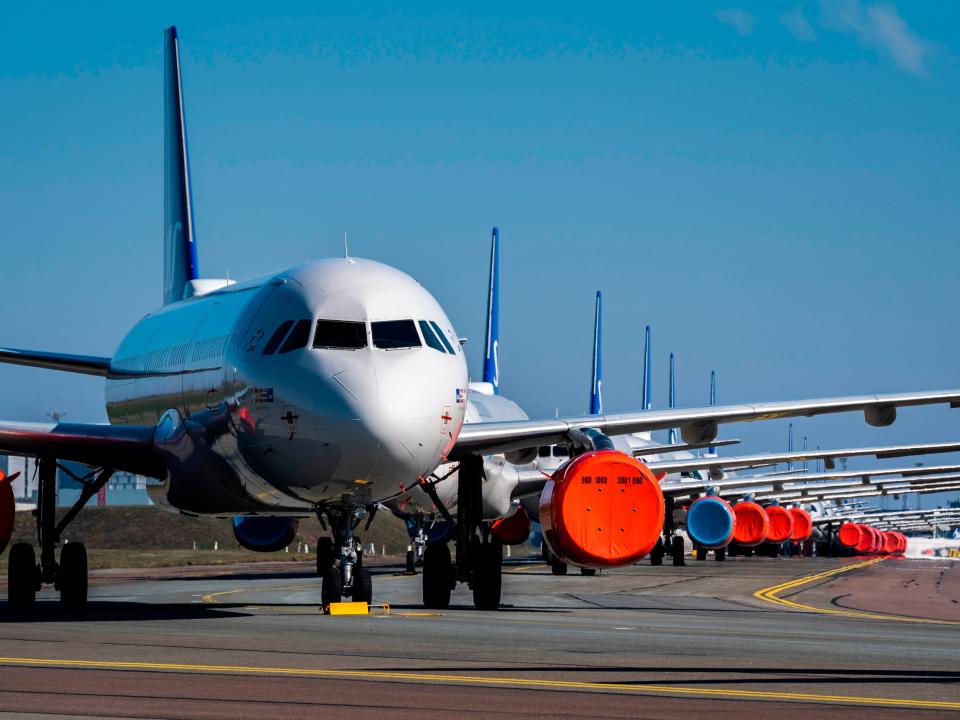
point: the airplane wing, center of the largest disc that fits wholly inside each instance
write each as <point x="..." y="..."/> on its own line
<point x="85" y="364"/>
<point x="696" y="424"/>
<point x="119" y="447"/>
<point x="766" y="459"/>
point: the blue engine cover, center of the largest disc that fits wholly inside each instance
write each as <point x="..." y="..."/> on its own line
<point x="436" y="531"/>
<point x="264" y="534"/>
<point x="710" y="523"/>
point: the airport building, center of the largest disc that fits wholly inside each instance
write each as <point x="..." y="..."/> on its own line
<point x="123" y="488"/>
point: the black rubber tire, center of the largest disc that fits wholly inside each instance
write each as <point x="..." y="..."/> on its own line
<point x="488" y="576"/>
<point x="557" y="566"/>
<point x="748" y="552"/>
<point x="656" y="555"/>
<point x="362" y="585"/>
<point x="701" y="553"/>
<point x="676" y="550"/>
<point x="331" y="590"/>
<point x="21" y="577"/>
<point x="72" y="576"/>
<point x="588" y="572"/>
<point x="326" y="557"/>
<point x="437" y="576"/>
<point x="411" y="562"/>
<point x="720" y="555"/>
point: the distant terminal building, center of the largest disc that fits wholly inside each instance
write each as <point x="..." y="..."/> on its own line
<point x="123" y="488"/>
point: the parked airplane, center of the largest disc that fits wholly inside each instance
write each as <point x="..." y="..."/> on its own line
<point x="326" y="389"/>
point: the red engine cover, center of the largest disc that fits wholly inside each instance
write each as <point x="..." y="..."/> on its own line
<point x="781" y="523"/>
<point x="867" y="540"/>
<point x="802" y="524"/>
<point x="850" y="535"/>
<point x="753" y="525"/>
<point x="8" y="510"/>
<point x="890" y="542"/>
<point x="602" y="509"/>
<point x="513" y="529"/>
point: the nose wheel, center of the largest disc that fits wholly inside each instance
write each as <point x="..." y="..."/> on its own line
<point x="340" y="558"/>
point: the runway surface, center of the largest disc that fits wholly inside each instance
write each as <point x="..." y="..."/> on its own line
<point x="749" y="637"/>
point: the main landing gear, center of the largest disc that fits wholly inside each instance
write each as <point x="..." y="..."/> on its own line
<point x="478" y="554"/>
<point x="340" y="558"/>
<point x="670" y="543"/>
<point x="24" y="575"/>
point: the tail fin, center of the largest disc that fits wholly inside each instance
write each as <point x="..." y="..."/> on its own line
<point x="672" y="397"/>
<point x="491" y="356"/>
<point x="713" y="401"/>
<point x="647" y="400"/>
<point x="179" y="243"/>
<point x="596" y="394"/>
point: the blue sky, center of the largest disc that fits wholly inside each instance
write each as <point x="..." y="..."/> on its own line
<point x="772" y="186"/>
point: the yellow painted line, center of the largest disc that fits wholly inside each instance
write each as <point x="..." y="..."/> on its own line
<point x="772" y="595"/>
<point x="484" y="680"/>
<point x="213" y="597"/>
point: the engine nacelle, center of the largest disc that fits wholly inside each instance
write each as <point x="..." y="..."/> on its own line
<point x="602" y="509"/>
<point x="868" y="539"/>
<point x="264" y="533"/>
<point x="781" y="523"/>
<point x="802" y="524"/>
<point x="513" y="529"/>
<point x="890" y="543"/>
<point x="711" y="522"/>
<point x="521" y="457"/>
<point x="753" y="525"/>
<point x="8" y="511"/>
<point x="850" y="534"/>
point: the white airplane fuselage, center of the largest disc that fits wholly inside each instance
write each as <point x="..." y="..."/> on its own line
<point x="247" y="430"/>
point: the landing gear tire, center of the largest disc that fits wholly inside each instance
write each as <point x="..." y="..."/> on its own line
<point x="72" y="576"/>
<point x="588" y="572"/>
<point x="362" y="586"/>
<point x="487" y="576"/>
<point x="656" y="555"/>
<point x="326" y="556"/>
<point x="21" y="577"/>
<point x="331" y="591"/>
<point x="437" y="576"/>
<point x="720" y="555"/>
<point x="676" y="550"/>
<point x="701" y="553"/>
<point x="411" y="562"/>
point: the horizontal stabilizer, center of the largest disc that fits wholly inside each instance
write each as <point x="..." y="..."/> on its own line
<point x="86" y="364"/>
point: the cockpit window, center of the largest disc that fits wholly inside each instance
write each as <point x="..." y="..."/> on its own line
<point x="443" y="338"/>
<point x="395" y="334"/>
<point x="298" y="337"/>
<point x="279" y="334"/>
<point x="429" y="337"/>
<point x="340" y="334"/>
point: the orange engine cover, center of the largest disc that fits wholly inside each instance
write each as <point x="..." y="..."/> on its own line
<point x="781" y="523"/>
<point x="802" y="524"/>
<point x="868" y="540"/>
<point x="850" y="535"/>
<point x="752" y="524"/>
<point x="513" y="529"/>
<point x="890" y="542"/>
<point x="8" y="511"/>
<point x="602" y="509"/>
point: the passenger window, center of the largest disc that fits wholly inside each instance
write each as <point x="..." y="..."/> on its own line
<point x="429" y="337"/>
<point x="543" y="451"/>
<point x="298" y="337"/>
<point x="395" y="334"/>
<point x="279" y="334"/>
<point x="443" y="338"/>
<point x="340" y="334"/>
<point x="560" y="451"/>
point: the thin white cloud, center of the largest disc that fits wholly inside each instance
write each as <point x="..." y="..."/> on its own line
<point x="738" y="19"/>
<point x="797" y="24"/>
<point x="879" y="26"/>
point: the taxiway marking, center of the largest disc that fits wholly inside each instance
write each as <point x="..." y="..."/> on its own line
<point x="384" y="675"/>
<point x="772" y="595"/>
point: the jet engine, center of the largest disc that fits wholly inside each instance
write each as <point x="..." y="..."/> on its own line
<point x="514" y="529"/>
<point x="868" y="539"/>
<point x="752" y="525"/>
<point x="711" y="522"/>
<point x="850" y="534"/>
<point x="781" y="523"/>
<point x="8" y="510"/>
<point x="264" y="533"/>
<point x="601" y="509"/>
<point x="802" y="524"/>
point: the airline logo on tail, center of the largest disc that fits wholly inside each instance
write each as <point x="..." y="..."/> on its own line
<point x="491" y="356"/>
<point x="596" y="396"/>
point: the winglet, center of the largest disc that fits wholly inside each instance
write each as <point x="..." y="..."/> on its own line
<point x="596" y="393"/>
<point x="491" y="353"/>
<point x="647" y="400"/>
<point x="179" y="243"/>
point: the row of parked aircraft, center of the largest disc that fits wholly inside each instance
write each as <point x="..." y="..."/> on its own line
<point x="339" y="387"/>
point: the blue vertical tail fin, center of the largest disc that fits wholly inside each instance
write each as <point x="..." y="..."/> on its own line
<point x="672" y="396"/>
<point x="596" y="392"/>
<point x="647" y="400"/>
<point x="713" y="401"/>
<point x="491" y="352"/>
<point x="179" y="243"/>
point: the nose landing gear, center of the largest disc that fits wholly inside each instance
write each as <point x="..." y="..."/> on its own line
<point x="350" y="578"/>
